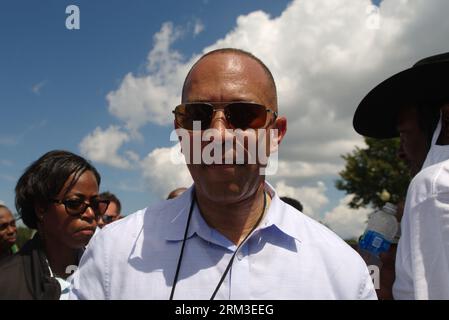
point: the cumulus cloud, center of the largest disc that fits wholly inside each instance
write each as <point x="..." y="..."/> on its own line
<point x="302" y="169"/>
<point x="324" y="55"/>
<point x="198" y="27"/>
<point x="103" y="145"/>
<point x="163" y="173"/>
<point x="36" y="89"/>
<point x="151" y="97"/>
<point x="312" y="198"/>
<point x="346" y="222"/>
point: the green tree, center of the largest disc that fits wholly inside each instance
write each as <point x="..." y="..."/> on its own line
<point x="374" y="175"/>
<point x="23" y="235"/>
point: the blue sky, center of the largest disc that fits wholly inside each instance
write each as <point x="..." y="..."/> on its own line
<point x="72" y="71"/>
<point x="115" y="79"/>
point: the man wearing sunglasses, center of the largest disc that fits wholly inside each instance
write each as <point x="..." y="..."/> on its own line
<point x="229" y="236"/>
<point x="113" y="210"/>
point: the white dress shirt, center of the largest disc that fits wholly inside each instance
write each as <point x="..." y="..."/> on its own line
<point x="422" y="259"/>
<point x="288" y="256"/>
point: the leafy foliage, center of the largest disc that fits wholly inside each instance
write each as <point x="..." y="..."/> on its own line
<point x="23" y="235"/>
<point x="375" y="174"/>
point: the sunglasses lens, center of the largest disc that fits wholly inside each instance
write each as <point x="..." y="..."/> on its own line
<point x="188" y="113"/>
<point x="246" y="115"/>
<point x="100" y="207"/>
<point x="75" y="206"/>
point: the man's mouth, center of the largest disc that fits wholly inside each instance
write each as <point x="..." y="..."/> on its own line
<point x="11" y="239"/>
<point x="221" y="166"/>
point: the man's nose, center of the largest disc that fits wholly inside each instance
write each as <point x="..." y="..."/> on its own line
<point x="219" y="123"/>
<point x="401" y="153"/>
<point x="11" y="229"/>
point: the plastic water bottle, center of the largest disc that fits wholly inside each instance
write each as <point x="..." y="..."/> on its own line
<point x="379" y="234"/>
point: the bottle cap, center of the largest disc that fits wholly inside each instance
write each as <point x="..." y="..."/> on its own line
<point x="390" y="208"/>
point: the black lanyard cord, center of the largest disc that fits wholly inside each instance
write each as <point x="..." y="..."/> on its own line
<point x="175" y="280"/>
<point x="228" y="267"/>
<point x="238" y="248"/>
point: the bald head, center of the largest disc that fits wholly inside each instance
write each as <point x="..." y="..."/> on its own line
<point x="230" y="61"/>
<point x="175" y="193"/>
<point x="8" y="230"/>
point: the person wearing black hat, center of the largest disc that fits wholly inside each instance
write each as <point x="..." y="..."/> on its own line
<point x="414" y="105"/>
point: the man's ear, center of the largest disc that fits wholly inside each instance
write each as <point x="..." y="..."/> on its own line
<point x="277" y="133"/>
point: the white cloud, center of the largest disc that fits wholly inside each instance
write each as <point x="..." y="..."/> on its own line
<point x="312" y="198"/>
<point x="103" y="145"/>
<point x="151" y="98"/>
<point x="198" y="27"/>
<point x="324" y="56"/>
<point x="301" y="169"/>
<point x="162" y="174"/>
<point x="346" y="222"/>
<point x="36" y="89"/>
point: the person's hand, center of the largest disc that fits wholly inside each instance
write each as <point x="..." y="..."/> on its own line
<point x="387" y="273"/>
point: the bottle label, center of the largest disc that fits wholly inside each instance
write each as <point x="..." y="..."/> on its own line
<point x="374" y="242"/>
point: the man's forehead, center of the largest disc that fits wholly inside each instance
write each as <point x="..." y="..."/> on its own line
<point x="6" y="214"/>
<point x="223" y="73"/>
<point x="223" y="65"/>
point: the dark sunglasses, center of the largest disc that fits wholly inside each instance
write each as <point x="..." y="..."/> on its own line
<point x="107" y="218"/>
<point x="5" y="225"/>
<point x="75" y="207"/>
<point x="239" y="115"/>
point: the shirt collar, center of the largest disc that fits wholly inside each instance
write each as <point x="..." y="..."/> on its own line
<point x="177" y="218"/>
<point x="174" y="213"/>
<point x="437" y="153"/>
<point x="278" y="216"/>
<point x="281" y="217"/>
<point x="198" y="226"/>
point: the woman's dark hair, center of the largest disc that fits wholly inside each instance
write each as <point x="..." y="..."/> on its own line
<point x="44" y="179"/>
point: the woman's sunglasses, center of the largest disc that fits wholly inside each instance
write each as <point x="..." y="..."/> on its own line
<point x="75" y="207"/>
<point x="239" y="115"/>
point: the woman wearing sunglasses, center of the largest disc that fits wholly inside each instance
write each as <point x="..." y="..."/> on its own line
<point x="58" y="196"/>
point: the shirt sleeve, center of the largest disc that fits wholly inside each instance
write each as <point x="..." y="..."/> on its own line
<point x="89" y="282"/>
<point x="430" y="248"/>
<point x="403" y="284"/>
<point x="422" y="262"/>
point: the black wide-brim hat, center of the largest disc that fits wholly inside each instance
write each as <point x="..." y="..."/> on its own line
<point x="426" y="81"/>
